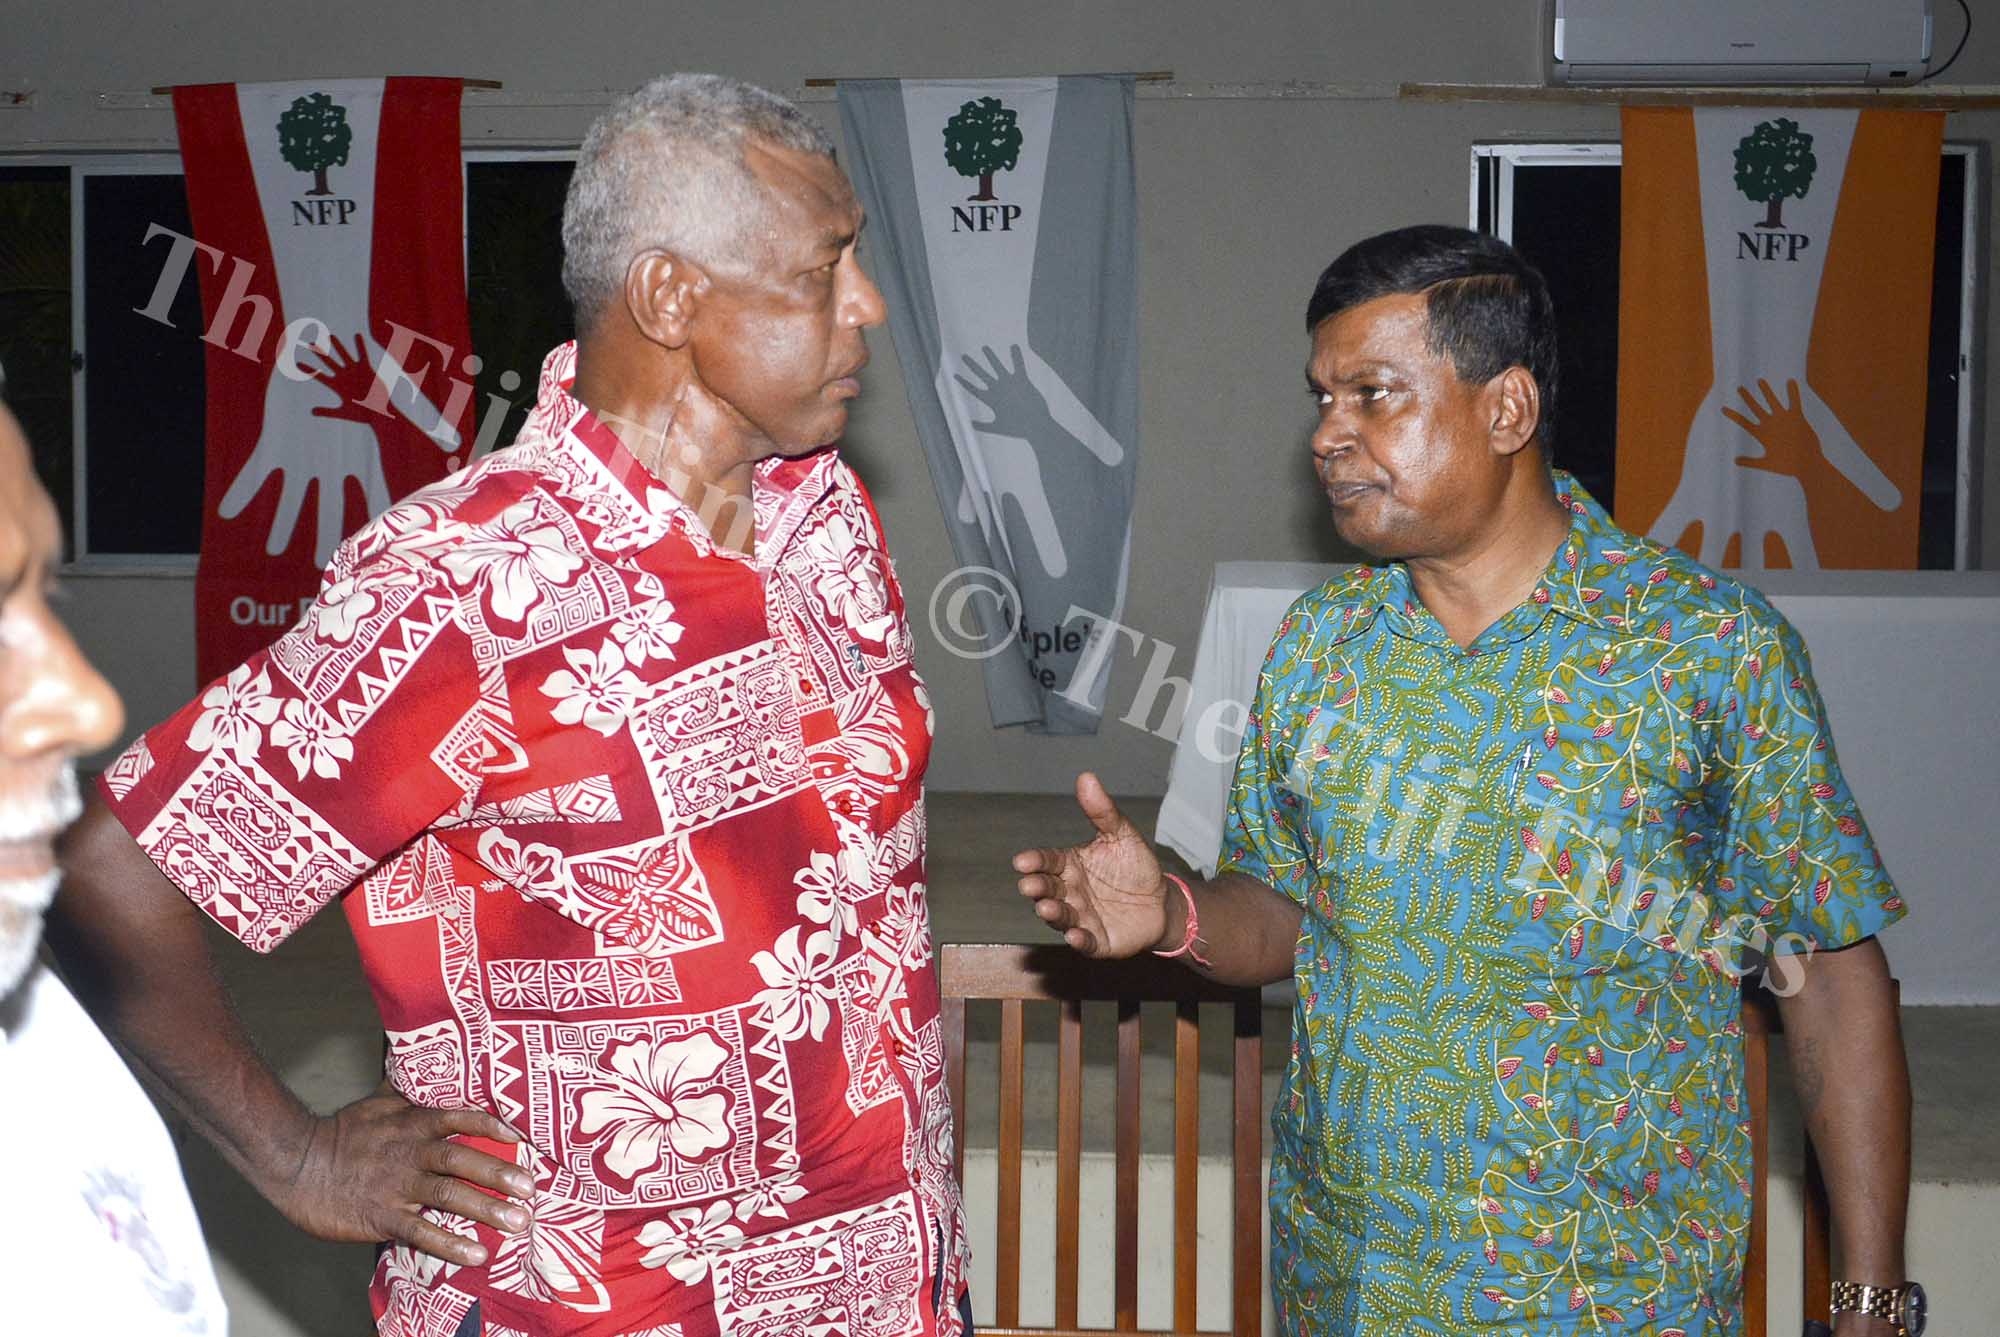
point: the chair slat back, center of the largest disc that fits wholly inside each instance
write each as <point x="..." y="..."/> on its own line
<point x="1017" y="975"/>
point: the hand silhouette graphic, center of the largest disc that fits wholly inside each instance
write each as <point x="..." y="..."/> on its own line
<point x="350" y="376"/>
<point x="311" y="445"/>
<point x="1018" y="408"/>
<point x="1791" y="446"/>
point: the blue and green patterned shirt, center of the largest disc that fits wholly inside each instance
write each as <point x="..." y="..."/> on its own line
<point x="1530" y="869"/>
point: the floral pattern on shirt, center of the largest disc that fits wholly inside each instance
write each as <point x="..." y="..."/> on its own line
<point x="629" y="830"/>
<point x="1530" y="866"/>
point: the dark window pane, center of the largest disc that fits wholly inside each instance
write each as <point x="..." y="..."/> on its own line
<point x="143" y="381"/>
<point x="514" y="283"/>
<point x="35" y="319"/>
<point x="1937" y="518"/>
<point x="1566" y="224"/>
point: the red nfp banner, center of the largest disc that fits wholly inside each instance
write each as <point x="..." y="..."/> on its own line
<point x="329" y="236"/>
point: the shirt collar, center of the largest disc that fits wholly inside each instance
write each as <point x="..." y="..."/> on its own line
<point x="1594" y="569"/>
<point x="633" y="506"/>
<point x="1586" y="567"/>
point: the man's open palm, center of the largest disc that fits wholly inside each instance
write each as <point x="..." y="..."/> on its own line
<point x="1104" y="897"/>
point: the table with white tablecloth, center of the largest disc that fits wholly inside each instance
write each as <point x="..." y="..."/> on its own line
<point x="1905" y="661"/>
<point x="1246" y="601"/>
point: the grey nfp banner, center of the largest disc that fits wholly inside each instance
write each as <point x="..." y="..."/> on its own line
<point x="1002" y="226"/>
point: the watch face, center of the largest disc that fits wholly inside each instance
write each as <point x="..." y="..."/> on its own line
<point x="1916" y="1308"/>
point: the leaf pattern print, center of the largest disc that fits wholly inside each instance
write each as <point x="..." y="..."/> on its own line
<point x="1530" y="867"/>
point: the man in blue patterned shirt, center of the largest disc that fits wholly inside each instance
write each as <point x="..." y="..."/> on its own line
<point x="1517" y="807"/>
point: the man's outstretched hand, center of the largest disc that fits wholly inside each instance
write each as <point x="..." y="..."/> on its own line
<point x="371" y="1167"/>
<point x="1107" y="898"/>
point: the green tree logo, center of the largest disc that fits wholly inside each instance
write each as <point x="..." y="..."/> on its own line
<point x="981" y="140"/>
<point x="1775" y="161"/>
<point x="313" y="136"/>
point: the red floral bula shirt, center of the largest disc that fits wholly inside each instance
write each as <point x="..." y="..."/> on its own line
<point x="630" y="832"/>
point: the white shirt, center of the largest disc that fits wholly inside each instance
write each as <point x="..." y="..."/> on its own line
<point x="96" y="1231"/>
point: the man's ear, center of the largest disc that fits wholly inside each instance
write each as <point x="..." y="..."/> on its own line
<point x="1516" y="406"/>
<point x="661" y="293"/>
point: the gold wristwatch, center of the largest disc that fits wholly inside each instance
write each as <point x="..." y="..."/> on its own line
<point x="1905" y="1306"/>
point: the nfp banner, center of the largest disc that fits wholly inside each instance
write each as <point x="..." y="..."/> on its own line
<point x="329" y="231"/>
<point x="1002" y="222"/>
<point x="1773" y="332"/>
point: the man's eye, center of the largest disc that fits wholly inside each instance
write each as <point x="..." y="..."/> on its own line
<point x="1368" y="394"/>
<point x="1322" y="397"/>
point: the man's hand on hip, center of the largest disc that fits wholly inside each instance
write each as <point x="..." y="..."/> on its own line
<point x="370" y="1168"/>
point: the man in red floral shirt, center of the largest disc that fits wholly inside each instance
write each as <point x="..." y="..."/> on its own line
<point x="611" y="747"/>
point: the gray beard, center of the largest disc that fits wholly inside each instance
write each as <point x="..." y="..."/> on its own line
<point x="21" y="905"/>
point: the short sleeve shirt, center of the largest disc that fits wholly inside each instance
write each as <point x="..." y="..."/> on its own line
<point x="1530" y="869"/>
<point x="629" y="830"/>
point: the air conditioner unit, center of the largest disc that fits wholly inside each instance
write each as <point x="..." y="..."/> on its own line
<point x="1697" y="42"/>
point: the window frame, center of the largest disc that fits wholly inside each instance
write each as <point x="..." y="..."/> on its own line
<point x="83" y="164"/>
<point x="1500" y="159"/>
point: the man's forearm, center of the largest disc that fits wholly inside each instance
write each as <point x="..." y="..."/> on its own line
<point x="1248" y="932"/>
<point x="134" y="949"/>
<point x="1846" y="1044"/>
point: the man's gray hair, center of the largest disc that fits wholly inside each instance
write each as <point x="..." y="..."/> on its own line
<point x="663" y="167"/>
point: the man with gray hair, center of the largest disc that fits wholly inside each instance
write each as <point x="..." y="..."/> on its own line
<point x="613" y="748"/>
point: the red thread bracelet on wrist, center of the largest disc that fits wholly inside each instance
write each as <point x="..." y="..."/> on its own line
<point x="1187" y="947"/>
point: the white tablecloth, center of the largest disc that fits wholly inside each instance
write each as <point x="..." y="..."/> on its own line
<point x="1246" y="601"/>
<point x="1907" y="672"/>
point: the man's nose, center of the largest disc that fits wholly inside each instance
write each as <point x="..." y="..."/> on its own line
<point x="60" y="705"/>
<point x="862" y="303"/>
<point x="1333" y="435"/>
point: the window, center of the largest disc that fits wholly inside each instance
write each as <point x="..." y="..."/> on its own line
<point x="513" y="212"/>
<point x="112" y="401"/>
<point x="1559" y="204"/>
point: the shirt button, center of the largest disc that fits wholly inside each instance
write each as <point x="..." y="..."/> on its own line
<point x="805" y="686"/>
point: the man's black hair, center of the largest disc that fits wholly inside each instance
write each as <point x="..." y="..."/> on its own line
<point x="1488" y="309"/>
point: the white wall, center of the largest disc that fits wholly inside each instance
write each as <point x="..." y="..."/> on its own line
<point x="1242" y="203"/>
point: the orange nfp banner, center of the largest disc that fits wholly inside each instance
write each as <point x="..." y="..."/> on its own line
<point x="1773" y="324"/>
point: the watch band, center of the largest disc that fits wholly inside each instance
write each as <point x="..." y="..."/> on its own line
<point x="1883" y="1302"/>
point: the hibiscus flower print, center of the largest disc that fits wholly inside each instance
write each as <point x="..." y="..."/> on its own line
<point x="648" y="632"/>
<point x="664" y="1098"/>
<point x="848" y="583"/>
<point x="312" y="740"/>
<point x="341" y="607"/>
<point x="684" y="1242"/>
<point x="772" y="1197"/>
<point x="821" y="897"/>
<point x="802" y="984"/>
<point x="537" y="868"/>
<point x="906" y="924"/>
<point x="597" y="689"/>
<point x="514" y="556"/>
<point x="235" y="713"/>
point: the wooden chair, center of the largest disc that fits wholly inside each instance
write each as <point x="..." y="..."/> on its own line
<point x="1016" y="975"/>
<point x="1761" y="1021"/>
